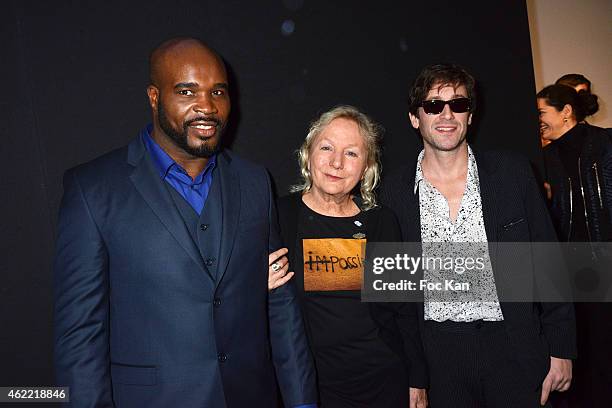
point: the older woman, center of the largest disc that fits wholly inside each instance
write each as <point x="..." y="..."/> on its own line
<point x="362" y="358"/>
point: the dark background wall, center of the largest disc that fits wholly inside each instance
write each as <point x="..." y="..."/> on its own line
<point x="73" y="77"/>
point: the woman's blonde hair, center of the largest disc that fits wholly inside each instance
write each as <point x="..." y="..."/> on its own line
<point x="372" y="135"/>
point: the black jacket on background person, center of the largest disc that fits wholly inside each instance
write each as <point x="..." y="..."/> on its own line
<point x="581" y="160"/>
<point x="513" y="211"/>
<point x="397" y="322"/>
<point x="592" y="177"/>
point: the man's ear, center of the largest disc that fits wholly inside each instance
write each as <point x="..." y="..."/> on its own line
<point x="413" y="120"/>
<point x="470" y="119"/>
<point x="153" y="94"/>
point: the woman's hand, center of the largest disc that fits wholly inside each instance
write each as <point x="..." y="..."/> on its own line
<point x="277" y="269"/>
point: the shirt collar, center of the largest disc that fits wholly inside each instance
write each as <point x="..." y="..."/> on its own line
<point x="162" y="160"/>
<point x="473" y="183"/>
<point x="472" y="176"/>
<point x="418" y="177"/>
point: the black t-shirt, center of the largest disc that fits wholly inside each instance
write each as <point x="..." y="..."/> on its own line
<point x="354" y="366"/>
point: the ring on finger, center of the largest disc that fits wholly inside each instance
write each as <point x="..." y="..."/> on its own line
<point x="276" y="266"/>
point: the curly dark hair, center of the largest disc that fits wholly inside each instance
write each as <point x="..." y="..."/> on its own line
<point x="441" y="75"/>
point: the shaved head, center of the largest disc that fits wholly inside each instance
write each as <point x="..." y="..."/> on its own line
<point x="172" y="48"/>
<point x="189" y="98"/>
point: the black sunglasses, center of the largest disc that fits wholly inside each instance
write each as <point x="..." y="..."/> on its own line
<point x="436" y="106"/>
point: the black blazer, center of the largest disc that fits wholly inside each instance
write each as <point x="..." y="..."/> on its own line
<point x="513" y="211"/>
<point x="397" y="321"/>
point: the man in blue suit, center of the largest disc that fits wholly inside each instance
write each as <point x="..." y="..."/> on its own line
<point x="161" y="268"/>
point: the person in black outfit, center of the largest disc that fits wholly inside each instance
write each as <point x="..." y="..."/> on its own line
<point x="579" y="180"/>
<point x="578" y="160"/>
<point x="362" y="358"/>
<point x="491" y="353"/>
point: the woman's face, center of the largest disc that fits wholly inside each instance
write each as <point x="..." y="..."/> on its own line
<point x="337" y="158"/>
<point x="553" y="123"/>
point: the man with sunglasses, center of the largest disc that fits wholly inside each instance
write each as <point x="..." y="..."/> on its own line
<point x="480" y="351"/>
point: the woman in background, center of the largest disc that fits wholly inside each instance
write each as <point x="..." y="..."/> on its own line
<point x="579" y="175"/>
<point x="582" y="85"/>
<point x="578" y="165"/>
<point x="362" y="357"/>
<point x="577" y="81"/>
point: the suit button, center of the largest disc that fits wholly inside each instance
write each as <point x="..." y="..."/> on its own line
<point x="203" y="227"/>
<point x="222" y="357"/>
<point x="217" y="302"/>
<point x="210" y="261"/>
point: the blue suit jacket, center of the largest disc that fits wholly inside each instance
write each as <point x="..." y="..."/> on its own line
<point x="140" y="321"/>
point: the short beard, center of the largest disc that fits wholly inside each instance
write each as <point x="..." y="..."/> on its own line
<point x="205" y="150"/>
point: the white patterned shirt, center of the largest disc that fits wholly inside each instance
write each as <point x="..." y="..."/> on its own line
<point x="437" y="227"/>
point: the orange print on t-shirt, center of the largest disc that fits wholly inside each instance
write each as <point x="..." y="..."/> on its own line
<point x="333" y="264"/>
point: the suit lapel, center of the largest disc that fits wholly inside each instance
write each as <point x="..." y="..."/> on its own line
<point x="230" y="204"/>
<point x="414" y="221"/>
<point x="153" y="191"/>
<point x="412" y="228"/>
<point x="490" y="206"/>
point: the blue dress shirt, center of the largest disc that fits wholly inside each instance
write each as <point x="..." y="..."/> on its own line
<point x="194" y="191"/>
